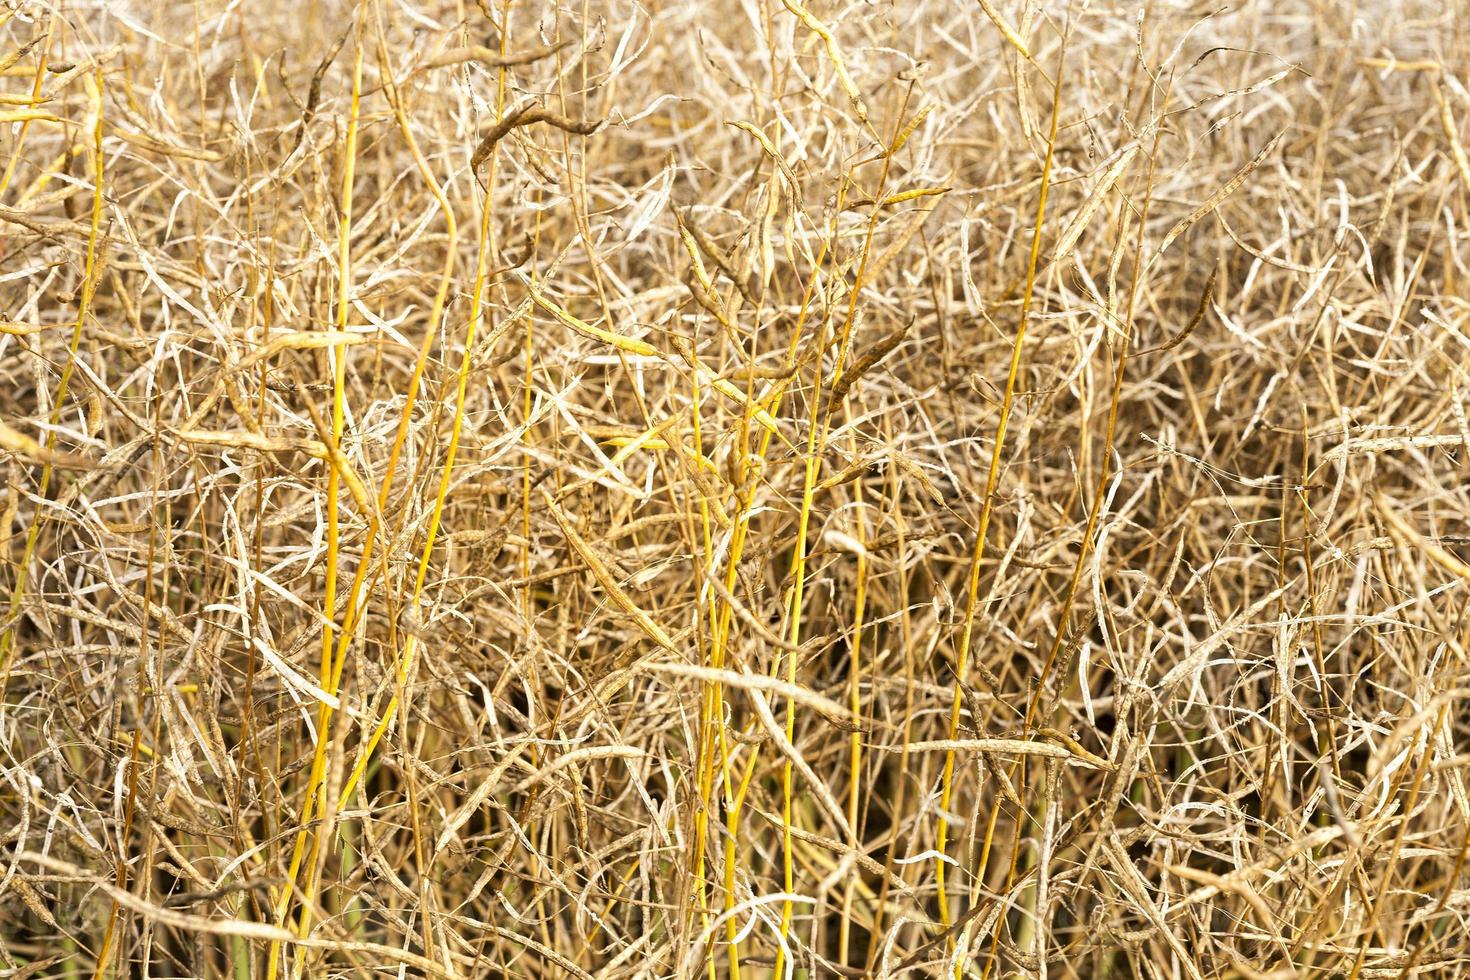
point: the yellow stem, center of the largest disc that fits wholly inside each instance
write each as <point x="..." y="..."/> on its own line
<point x="314" y="801"/>
<point x="962" y="660"/>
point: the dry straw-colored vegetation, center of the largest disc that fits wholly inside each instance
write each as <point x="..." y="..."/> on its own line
<point x="734" y="489"/>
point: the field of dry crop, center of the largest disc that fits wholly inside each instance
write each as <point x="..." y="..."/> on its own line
<point x="734" y="488"/>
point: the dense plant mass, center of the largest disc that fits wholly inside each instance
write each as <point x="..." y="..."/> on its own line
<point x="734" y="489"/>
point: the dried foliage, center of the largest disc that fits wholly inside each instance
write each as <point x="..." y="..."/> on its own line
<point x="734" y="489"/>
